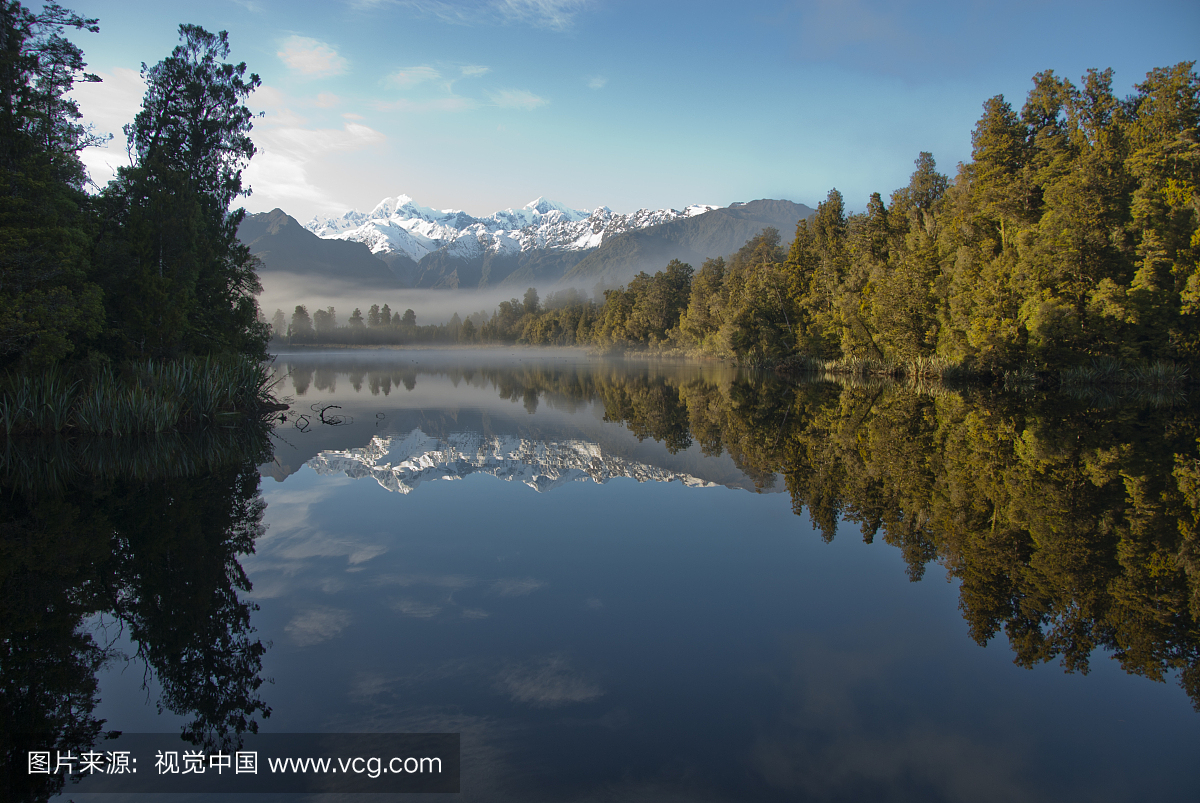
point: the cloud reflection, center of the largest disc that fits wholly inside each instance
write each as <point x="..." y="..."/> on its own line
<point x="547" y="683"/>
<point x="317" y="625"/>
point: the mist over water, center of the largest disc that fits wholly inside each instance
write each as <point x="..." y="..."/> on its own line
<point x="285" y="291"/>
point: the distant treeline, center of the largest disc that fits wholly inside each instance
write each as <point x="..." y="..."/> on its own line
<point x="1073" y="234"/>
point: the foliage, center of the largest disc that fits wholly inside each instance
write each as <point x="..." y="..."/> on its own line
<point x="49" y="302"/>
<point x="1073" y="235"/>
<point x="146" y="396"/>
<point x="177" y="280"/>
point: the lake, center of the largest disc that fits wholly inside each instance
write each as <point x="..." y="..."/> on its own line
<point x="635" y="581"/>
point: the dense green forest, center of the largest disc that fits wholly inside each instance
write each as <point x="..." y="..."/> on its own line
<point x="1072" y="234"/>
<point x="148" y="271"/>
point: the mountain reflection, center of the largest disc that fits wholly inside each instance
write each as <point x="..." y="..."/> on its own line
<point x="146" y="533"/>
<point x="402" y="463"/>
<point x="1070" y="523"/>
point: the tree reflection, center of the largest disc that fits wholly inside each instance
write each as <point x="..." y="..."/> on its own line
<point x="1070" y="527"/>
<point x="149" y="535"/>
<point x="1070" y="521"/>
<point x="1071" y="524"/>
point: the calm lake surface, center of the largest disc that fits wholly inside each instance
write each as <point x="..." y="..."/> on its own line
<point x="637" y="581"/>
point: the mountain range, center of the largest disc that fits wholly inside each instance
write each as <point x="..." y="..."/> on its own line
<point x="403" y="244"/>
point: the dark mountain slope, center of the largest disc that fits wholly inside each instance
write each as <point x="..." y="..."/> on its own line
<point x="284" y="246"/>
<point x="692" y="240"/>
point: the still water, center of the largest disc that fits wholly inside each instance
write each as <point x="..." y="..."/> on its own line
<point x="632" y="581"/>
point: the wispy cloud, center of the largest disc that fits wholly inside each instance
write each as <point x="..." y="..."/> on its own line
<point x="597" y="82"/>
<point x="547" y="683"/>
<point x="108" y="105"/>
<point x="442" y="77"/>
<point x="415" y="76"/>
<point x="288" y="146"/>
<point x="311" y="57"/>
<point x="557" y="15"/>
<point x="516" y="99"/>
<point x="516" y="587"/>
<point x="327" y="100"/>
<point x="317" y="625"/>
<point x="454" y="104"/>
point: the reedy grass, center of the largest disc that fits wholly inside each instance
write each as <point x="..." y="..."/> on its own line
<point x="930" y="368"/>
<point x="1157" y="374"/>
<point x="143" y="397"/>
<point x="51" y="462"/>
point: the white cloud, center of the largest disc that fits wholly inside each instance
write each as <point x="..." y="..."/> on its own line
<point x="597" y="82"/>
<point x="279" y="173"/>
<point x="473" y="70"/>
<point x="414" y="76"/>
<point x="311" y="57"/>
<point x="108" y="106"/>
<point x="516" y="99"/>
<point x="327" y="100"/>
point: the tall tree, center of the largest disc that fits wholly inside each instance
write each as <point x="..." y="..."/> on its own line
<point x="178" y="279"/>
<point x="48" y="305"/>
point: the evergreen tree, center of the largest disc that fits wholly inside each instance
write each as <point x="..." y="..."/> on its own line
<point x="530" y="304"/>
<point x="48" y="303"/>
<point x="178" y="280"/>
<point x="302" y="326"/>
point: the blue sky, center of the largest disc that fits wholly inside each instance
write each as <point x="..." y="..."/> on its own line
<point x="488" y="104"/>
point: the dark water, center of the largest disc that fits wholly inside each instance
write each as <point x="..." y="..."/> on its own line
<point x="636" y="582"/>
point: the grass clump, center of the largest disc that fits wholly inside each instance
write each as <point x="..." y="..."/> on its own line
<point x="1158" y="374"/>
<point x="142" y="397"/>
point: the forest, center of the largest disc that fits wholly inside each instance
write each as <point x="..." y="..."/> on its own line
<point x="1072" y="236"/>
<point x="121" y="310"/>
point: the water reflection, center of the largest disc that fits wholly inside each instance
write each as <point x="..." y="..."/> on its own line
<point x="610" y="639"/>
<point x="401" y="463"/>
<point x="1070" y="523"/>
<point x="135" y="538"/>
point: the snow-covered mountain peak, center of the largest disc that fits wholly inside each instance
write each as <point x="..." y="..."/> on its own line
<point x="400" y="225"/>
<point x="544" y="206"/>
<point x="388" y="206"/>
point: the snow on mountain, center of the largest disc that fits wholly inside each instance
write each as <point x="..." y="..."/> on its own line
<point x="400" y="463"/>
<point x="399" y="224"/>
